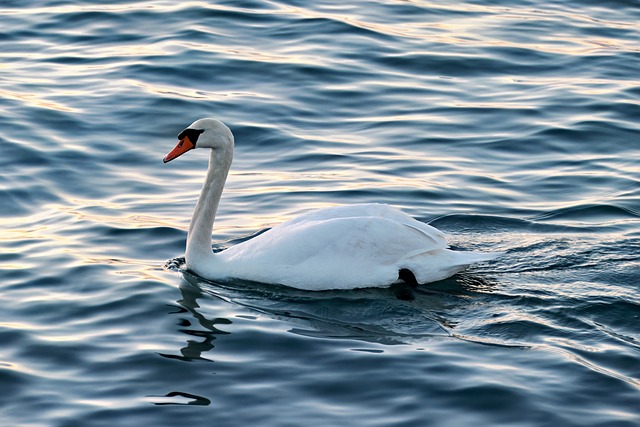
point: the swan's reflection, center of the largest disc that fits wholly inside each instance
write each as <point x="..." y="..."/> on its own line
<point x="443" y="310"/>
<point x="208" y="330"/>
<point x="378" y="316"/>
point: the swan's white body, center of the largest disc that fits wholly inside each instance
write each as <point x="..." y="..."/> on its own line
<point x="344" y="247"/>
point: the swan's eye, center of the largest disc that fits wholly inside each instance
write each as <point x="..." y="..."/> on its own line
<point x="192" y="134"/>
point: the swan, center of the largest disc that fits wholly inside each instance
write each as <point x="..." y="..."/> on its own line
<point x="342" y="247"/>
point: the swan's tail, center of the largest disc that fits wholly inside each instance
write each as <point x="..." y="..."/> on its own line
<point x="464" y="258"/>
<point x="441" y="263"/>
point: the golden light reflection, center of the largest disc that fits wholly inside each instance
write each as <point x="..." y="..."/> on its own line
<point x="85" y="336"/>
<point x="20" y="326"/>
<point x="35" y="101"/>
<point x="62" y="9"/>
<point x="460" y="29"/>
<point x="183" y="91"/>
<point x="577" y="84"/>
<point x="54" y="295"/>
<point x="10" y="234"/>
<point x="77" y="208"/>
<point x="62" y="232"/>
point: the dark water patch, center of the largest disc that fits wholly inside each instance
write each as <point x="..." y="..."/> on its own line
<point x="63" y="122"/>
<point x="589" y="213"/>
<point x="626" y="112"/>
<point x="337" y="314"/>
<point x="23" y="153"/>
<point x="462" y="65"/>
<point x="470" y="223"/>
<point x="316" y="31"/>
<point x="524" y="331"/>
<point x="562" y="138"/>
<point x="249" y="16"/>
<point x="615" y="312"/>
<point x="19" y="383"/>
<point x="251" y="5"/>
<point x="626" y="340"/>
<point x="21" y="201"/>
<point x="159" y="235"/>
<point x="68" y="358"/>
<point x="522" y="56"/>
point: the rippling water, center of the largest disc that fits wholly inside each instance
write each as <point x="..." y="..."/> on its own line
<point x="512" y="126"/>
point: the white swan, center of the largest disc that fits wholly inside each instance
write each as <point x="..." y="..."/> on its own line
<point x="345" y="247"/>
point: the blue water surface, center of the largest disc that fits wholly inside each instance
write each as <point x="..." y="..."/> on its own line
<point x="511" y="126"/>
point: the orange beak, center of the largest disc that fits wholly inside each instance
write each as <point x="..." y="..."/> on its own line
<point x="183" y="146"/>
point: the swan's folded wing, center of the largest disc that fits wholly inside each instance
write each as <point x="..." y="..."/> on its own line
<point x="348" y="252"/>
<point x="372" y="210"/>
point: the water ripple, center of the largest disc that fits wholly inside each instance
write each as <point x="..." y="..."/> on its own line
<point x="511" y="127"/>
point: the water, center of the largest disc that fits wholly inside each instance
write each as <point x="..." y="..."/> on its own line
<point x="510" y="126"/>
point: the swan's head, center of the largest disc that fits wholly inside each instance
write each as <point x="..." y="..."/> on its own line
<point x="203" y="133"/>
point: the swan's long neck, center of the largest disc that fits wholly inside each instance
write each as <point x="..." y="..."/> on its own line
<point x="199" y="237"/>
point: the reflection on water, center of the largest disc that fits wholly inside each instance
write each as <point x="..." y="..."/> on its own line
<point x="196" y="326"/>
<point x="371" y="315"/>
<point x="179" y="398"/>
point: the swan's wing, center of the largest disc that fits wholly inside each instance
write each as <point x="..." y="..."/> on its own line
<point x="370" y="210"/>
<point x="350" y="252"/>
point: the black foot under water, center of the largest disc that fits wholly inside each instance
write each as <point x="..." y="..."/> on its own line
<point x="404" y="291"/>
